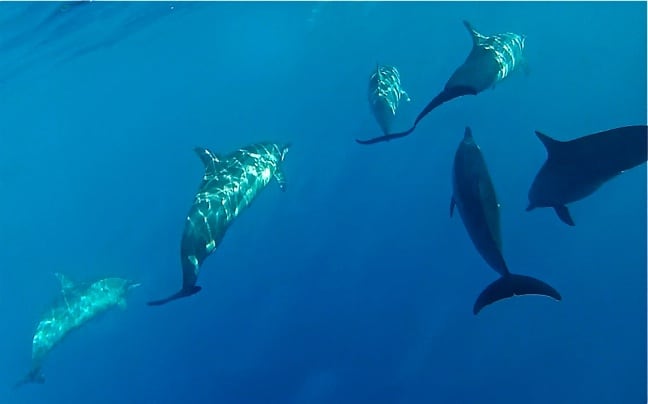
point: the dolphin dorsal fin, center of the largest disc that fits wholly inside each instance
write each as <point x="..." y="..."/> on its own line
<point x="474" y="35"/>
<point x="552" y="145"/>
<point x="66" y="283"/>
<point x="209" y="159"/>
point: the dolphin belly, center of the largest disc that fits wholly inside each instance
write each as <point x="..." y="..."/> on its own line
<point x="474" y="195"/>
<point x="383" y="114"/>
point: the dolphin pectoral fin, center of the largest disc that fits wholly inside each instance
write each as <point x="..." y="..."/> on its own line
<point x="281" y="179"/>
<point x="564" y="215"/>
<point x="66" y="283"/>
<point x="513" y="285"/>
<point x="452" y="205"/>
<point x="182" y="293"/>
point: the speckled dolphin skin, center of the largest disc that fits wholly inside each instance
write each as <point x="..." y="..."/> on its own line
<point x="384" y="95"/>
<point x="76" y="305"/>
<point x="229" y="185"/>
<point x="491" y="60"/>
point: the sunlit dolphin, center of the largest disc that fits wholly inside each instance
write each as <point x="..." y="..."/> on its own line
<point x="577" y="168"/>
<point x="475" y="199"/>
<point x="229" y="185"/>
<point x="76" y="305"/>
<point x="384" y="94"/>
<point x="491" y="60"/>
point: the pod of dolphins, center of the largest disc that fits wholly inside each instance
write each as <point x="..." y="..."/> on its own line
<point x="573" y="170"/>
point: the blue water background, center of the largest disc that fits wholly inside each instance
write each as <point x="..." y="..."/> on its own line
<point x="355" y="285"/>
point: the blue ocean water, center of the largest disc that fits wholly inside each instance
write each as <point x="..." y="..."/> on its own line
<point x="354" y="285"/>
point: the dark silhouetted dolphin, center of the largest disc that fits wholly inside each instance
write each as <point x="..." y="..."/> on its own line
<point x="474" y="196"/>
<point x="575" y="169"/>
<point x="229" y="185"/>
<point x="490" y="61"/>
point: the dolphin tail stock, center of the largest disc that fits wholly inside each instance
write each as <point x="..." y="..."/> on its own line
<point x="446" y="95"/>
<point x="513" y="285"/>
<point x="33" y="377"/>
<point x="386" y="138"/>
<point x="184" y="292"/>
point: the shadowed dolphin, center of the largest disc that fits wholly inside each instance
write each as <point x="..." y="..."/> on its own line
<point x="491" y="60"/>
<point x="475" y="199"/>
<point x="76" y="305"/>
<point x="577" y="168"/>
<point x="384" y="95"/>
<point x="229" y="185"/>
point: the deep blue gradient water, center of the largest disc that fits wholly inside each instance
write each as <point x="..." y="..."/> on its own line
<point x="355" y="285"/>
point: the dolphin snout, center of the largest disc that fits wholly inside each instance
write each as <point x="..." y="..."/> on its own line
<point x="134" y="285"/>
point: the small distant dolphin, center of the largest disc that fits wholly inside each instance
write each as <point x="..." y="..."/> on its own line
<point x="229" y="185"/>
<point x="577" y="168"/>
<point x="77" y="304"/>
<point x="384" y="95"/>
<point x="474" y="196"/>
<point x="490" y="61"/>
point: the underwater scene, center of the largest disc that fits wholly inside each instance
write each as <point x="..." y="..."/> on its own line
<point x="323" y="202"/>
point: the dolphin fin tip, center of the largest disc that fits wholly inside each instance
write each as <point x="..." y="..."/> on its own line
<point x="514" y="285"/>
<point x="184" y="292"/>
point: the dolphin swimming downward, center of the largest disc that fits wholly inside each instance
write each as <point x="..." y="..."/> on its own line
<point x="384" y="95"/>
<point x="77" y="304"/>
<point x="491" y="60"/>
<point x="475" y="199"/>
<point x="576" y="168"/>
<point x="229" y="185"/>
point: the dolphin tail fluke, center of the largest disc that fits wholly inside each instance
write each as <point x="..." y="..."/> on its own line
<point x="386" y="138"/>
<point x="33" y="377"/>
<point x="182" y="293"/>
<point x="513" y="285"/>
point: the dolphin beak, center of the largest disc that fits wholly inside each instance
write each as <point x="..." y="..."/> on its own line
<point x="134" y="285"/>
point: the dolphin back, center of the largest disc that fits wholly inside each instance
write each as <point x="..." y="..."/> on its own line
<point x="513" y="285"/>
<point x="606" y="153"/>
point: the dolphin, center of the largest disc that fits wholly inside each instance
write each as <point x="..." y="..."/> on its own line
<point x="76" y="305"/>
<point x="491" y="60"/>
<point x="229" y="185"/>
<point x="384" y="95"/>
<point x="576" y="168"/>
<point x="475" y="199"/>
